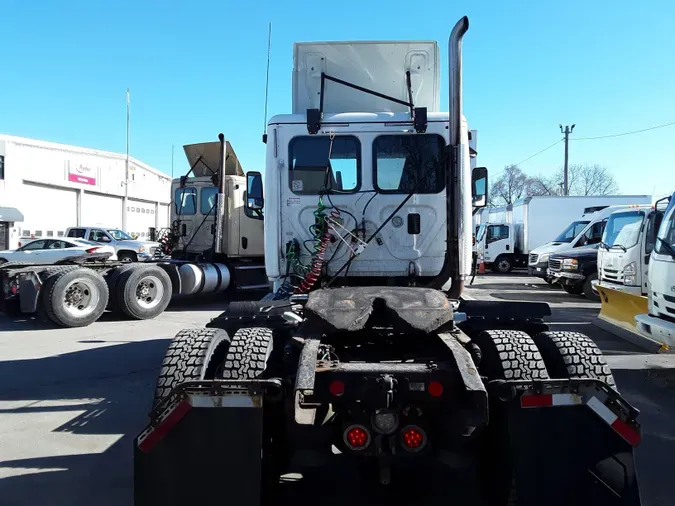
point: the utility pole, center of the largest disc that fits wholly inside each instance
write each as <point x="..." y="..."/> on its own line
<point x="126" y="170"/>
<point x="567" y="131"/>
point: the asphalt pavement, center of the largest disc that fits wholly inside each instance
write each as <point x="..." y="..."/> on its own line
<point x="72" y="400"/>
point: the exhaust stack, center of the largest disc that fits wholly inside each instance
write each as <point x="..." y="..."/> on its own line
<point x="220" y="207"/>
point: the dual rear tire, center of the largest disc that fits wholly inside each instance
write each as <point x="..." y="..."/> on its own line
<point x="210" y="353"/>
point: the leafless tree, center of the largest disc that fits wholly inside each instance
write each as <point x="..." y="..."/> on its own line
<point x="582" y="180"/>
<point x="511" y="185"/>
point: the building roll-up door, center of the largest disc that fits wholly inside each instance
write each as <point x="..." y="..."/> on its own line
<point x="48" y="210"/>
<point x="101" y="210"/>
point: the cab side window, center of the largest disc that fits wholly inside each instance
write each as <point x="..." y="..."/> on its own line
<point x="653" y="226"/>
<point x="497" y="233"/>
<point x="594" y="234"/>
<point x="77" y="232"/>
<point x="98" y="236"/>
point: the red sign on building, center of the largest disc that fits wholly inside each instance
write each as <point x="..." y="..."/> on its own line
<point x="82" y="174"/>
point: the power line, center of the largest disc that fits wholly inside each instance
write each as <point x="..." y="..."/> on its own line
<point x="540" y="152"/>
<point x="531" y="156"/>
<point x="625" y="133"/>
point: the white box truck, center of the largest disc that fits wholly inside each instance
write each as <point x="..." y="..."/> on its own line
<point x="529" y="224"/>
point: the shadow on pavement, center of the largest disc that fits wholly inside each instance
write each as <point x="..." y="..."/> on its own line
<point x="68" y="424"/>
<point x="652" y="391"/>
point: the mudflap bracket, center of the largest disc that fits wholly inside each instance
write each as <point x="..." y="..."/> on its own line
<point x="568" y="442"/>
<point x="204" y="444"/>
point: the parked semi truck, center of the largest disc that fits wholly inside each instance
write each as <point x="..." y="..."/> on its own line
<point x="215" y="245"/>
<point x="364" y="352"/>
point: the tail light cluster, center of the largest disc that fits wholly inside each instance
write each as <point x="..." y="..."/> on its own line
<point x="357" y="437"/>
<point x="92" y="250"/>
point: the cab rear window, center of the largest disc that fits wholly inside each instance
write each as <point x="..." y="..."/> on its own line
<point x="185" y="200"/>
<point x="319" y="165"/>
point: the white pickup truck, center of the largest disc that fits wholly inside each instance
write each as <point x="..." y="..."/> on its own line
<point x="126" y="247"/>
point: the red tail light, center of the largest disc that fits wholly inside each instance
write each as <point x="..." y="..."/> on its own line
<point x="337" y="388"/>
<point x="91" y="250"/>
<point x="435" y="389"/>
<point x="357" y="437"/>
<point x="413" y="438"/>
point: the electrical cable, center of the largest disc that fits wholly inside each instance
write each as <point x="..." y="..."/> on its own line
<point x="540" y="152"/>
<point x="622" y="134"/>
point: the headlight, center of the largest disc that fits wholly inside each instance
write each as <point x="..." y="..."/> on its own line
<point x="629" y="274"/>
<point x="141" y="249"/>
<point x="571" y="263"/>
<point x="544" y="257"/>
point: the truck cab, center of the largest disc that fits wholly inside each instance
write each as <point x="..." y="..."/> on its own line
<point x="627" y="243"/>
<point x="200" y="223"/>
<point x="659" y="324"/>
<point x="377" y="177"/>
<point x="495" y="245"/>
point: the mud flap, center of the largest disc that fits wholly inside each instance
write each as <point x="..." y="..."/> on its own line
<point x="577" y="454"/>
<point x="204" y="447"/>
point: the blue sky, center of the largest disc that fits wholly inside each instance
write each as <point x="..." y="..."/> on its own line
<point x="198" y="68"/>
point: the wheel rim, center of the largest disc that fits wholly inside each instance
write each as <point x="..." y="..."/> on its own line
<point x="149" y="292"/>
<point x="80" y="298"/>
<point x="125" y="259"/>
<point x="503" y="265"/>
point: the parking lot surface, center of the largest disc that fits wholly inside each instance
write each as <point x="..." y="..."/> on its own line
<point x="72" y="400"/>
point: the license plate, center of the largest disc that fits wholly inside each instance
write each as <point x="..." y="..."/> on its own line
<point x="538" y="269"/>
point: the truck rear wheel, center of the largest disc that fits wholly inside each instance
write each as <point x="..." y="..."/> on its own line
<point x="510" y="354"/>
<point x="74" y="297"/>
<point x="194" y="354"/>
<point x="248" y="354"/>
<point x="573" y="355"/>
<point x="144" y="292"/>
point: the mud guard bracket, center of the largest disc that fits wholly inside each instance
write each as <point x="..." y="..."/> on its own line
<point x="204" y="445"/>
<point x="572" y="443"/>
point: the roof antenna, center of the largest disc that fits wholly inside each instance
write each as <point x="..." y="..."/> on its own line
<point x="267" y="80"/>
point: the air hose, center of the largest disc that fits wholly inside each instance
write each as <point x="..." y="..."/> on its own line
<point x="322" y="238"/>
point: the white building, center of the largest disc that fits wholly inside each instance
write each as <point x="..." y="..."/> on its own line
<point x="55" y="186"/>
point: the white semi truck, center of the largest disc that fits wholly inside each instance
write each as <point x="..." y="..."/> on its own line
<point x="364" y="353"/>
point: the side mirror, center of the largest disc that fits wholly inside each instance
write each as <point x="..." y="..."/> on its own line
<point x="479" y="186"/>
<point x="254" y="191"/>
